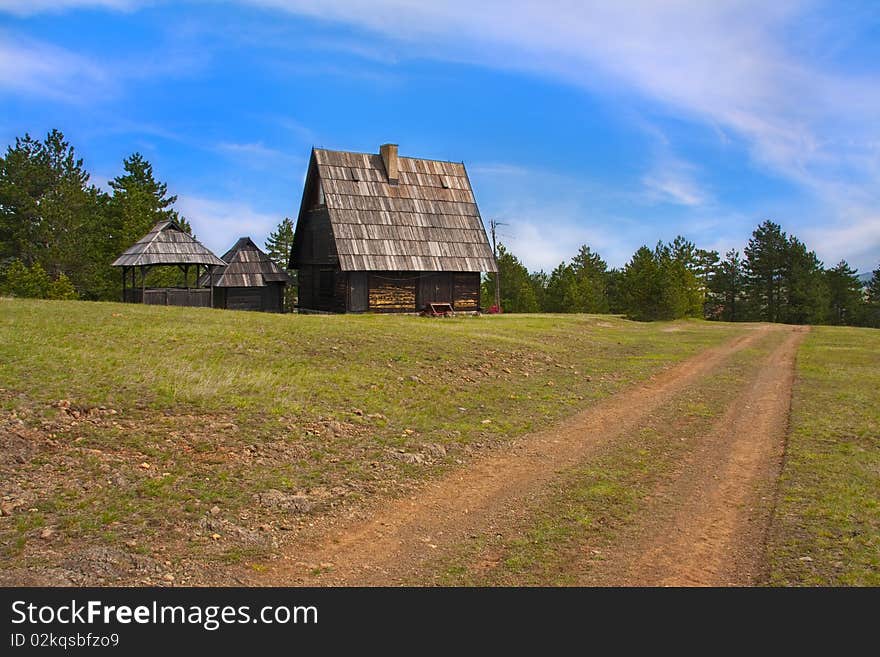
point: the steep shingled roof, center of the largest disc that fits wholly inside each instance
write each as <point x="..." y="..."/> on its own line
<point x="166" y="244"/>
<point x="427" y="221"/>
<point x="246" y="266"/>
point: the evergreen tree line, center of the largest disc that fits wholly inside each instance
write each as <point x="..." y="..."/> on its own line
<point x="775" y="279"/>
<point x="59" y="232"/>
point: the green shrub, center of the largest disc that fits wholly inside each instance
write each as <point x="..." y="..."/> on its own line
<point x="35" y="283"/>
<point x="61" y="288"/>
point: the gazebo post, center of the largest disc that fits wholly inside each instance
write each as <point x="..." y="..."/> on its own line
<point x="211" y="276"/>
<point x="143" y="284"/>
<point x="123" y="285"/>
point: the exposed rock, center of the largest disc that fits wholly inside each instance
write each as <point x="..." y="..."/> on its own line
<point x="409" y="457"/>
<point x="435" y="450"/>
<point x="295" y="503"/>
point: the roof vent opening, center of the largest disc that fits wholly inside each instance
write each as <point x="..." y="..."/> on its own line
<point x="389" y="159"/>
<point x="444" y="181"/>
<point x="355" y="174"/>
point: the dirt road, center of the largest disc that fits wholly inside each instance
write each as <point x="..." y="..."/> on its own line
<point x="734" y="473"/>
<point x="709" y="528"/>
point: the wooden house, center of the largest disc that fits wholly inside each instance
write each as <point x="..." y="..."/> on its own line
<point x="385" y="233"/>
<point x="248" y="280"/>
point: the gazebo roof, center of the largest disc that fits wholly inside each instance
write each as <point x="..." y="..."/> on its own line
<point x="167" y="244"/>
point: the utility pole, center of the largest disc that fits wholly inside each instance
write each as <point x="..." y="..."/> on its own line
<point x="493" y="225"/>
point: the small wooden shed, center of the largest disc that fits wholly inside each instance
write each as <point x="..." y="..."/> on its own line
<point x="166" y="245"/>
<point x="382" y="233"/>
<point x="248" y="280"/>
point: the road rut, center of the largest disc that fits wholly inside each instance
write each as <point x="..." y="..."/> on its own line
<point x="396" y="544"/>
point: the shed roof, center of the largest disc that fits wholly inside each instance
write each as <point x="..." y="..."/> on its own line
<point x="426" y="221"/>
<point x="246" y="265"/>
<point x="167" y="244"/>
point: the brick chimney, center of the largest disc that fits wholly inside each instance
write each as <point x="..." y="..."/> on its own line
<point x="389" y="158"/>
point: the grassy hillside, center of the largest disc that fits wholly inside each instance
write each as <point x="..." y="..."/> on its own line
<point x="143" y="444"/>
<point x="827" y="525"/>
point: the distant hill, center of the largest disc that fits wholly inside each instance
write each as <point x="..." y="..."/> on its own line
<point x="865" y="277"/>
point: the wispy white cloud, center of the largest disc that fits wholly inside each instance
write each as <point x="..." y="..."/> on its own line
<point x="547" y="227"/>
<point x="735" y="66"/>
<point x="672" y="180"/>
<point x="35" y="68"/>
<point x="38" y="69"/>
<point x="855" y="239"/>
<point x="30" y="7"/>
<point x="257" y="154"/>
<point x="299" y="130"/>
<point x="758" y="74"/>
<point x="218" y="223"/>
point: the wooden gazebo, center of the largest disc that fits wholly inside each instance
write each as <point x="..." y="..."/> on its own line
<point x="166" y="245"/>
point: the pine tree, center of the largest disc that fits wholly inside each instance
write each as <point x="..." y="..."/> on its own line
<point x="561" y="292"/>
<point x="642" y="286"/>
<point x="139" y="202"/>
<point x="765" y="267"/>
<point x="727" y="287"/>
<point x="278" y="247"/>
<point x="804" y="298"/>
<point x="705" y="267"/>
<point x="845" y="295"/>
<point x="27" y="282"/>
<point x="872" y="300"/>
<point x="25" y="178"/>
<point x="49" y="213"/>
<point x="590" y="277"/>
<point x="538" y="282"/>
<point x="517" y="291"/>
<point x="61" y="288"/>
<point x="614" y="291"/>
<point x="679" y="260"/>
<point x="280" y="243"/>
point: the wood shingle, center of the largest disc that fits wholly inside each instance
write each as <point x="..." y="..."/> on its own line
<point x="427" y="220"/>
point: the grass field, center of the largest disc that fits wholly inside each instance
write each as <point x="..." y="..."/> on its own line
<point x="827" y="525"/>
<point x="158" y="445"/>
<point x="145" y="435"/>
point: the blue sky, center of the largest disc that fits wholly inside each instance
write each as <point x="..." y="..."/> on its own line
<point x="612" y="124"/>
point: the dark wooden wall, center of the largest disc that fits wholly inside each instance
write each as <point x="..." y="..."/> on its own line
<point x="385" y="291"/>
<point x="322" y="288"/>
<point x="170" y="296"/>
<point x="264" y="299"/>
<point x="314" y="244"/>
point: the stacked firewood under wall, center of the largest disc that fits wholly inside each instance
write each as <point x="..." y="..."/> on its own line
<point x="393" y="294"/>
